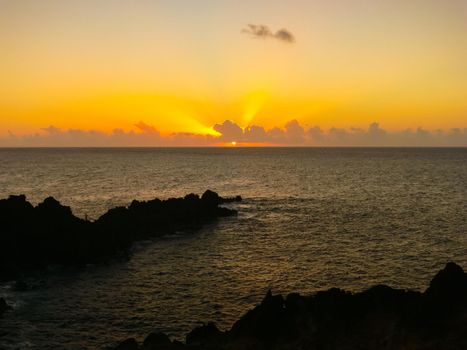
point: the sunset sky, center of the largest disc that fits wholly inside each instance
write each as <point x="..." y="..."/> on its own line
<point x="182" y="66"/>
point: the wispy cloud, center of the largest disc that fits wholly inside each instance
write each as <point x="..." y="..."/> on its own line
<point x="263" y="32"/>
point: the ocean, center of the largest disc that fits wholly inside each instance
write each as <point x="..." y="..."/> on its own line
<point x="311" y="219"/>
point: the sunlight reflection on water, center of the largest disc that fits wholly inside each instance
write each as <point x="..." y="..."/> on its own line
<point x="311" y="219"/>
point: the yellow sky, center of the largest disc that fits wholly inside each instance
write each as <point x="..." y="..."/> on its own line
<point x="183" y="68"/>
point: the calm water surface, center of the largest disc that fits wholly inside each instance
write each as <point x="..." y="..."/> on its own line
<point x="311" y="219"/>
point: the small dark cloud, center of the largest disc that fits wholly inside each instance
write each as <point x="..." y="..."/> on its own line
<point x="285" y="35"/>
<point x="258" y="31"/>
<point x="145" y="128"/>
<point x="263" y="32"/>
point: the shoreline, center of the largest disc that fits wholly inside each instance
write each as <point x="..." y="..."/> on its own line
<point x="34" y="237"/>
<point x="380" y="317"/>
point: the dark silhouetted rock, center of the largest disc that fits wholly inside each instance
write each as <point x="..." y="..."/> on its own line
<point x="155" y="341"/>
<point x="379" y="318"/>
<point x="51" y="207"/>
<point x="128" y="344"/>
<point x="266" y="322"/>
<point x="211" y="197"/>
<point x="231" y="199"/>
<point x="205" y="334"/>
<point x="451" y="282"/>
<point x="34" y="237"/>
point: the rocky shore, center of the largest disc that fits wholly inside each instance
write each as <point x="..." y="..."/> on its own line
<point x="33" y="237"/>
<point x="380" y="318"/>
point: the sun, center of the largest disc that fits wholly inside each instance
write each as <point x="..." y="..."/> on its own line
<point x="234" y="143"/>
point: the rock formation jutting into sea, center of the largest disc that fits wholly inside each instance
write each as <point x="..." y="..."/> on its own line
<point x="33" y="237"/>
<point x="380" y="318"/>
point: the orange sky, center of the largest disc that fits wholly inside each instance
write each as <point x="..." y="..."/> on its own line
<point x="105" y="64"/>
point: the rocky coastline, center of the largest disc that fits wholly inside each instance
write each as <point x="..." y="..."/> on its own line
<point x="380" y="318"/>
<point x="34" y="237"/>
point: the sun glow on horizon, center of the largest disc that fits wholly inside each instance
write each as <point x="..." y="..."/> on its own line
<point x="85" y="66"/>
<point x="252" y="104"/>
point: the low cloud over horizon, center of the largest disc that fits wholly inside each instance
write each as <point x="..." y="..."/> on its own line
<point x="292" y="134"/>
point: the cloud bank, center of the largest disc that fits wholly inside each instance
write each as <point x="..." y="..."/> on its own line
<point x="294" y="134"/>
<point x="291" y="134"/>
<point x="145" y="136"/>
<point x="263" y="32"/>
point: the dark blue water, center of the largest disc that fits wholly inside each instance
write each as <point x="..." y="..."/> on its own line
<point x="311" y="219"/>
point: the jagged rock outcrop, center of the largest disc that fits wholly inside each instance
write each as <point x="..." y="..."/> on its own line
<point x="380" y="318"/>
<point x="160" y="341"/>
<point x="34" y="237"/>
<point x="129" y="344"/>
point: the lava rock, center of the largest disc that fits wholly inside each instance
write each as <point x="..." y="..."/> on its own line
<point x="128" y="344"/>
<point x="451" y="282"/>
<point x="205" y="334"/>
<point x="156" y="341"/>
<point x="378" y="318"/>
<point x="35" y="237"/>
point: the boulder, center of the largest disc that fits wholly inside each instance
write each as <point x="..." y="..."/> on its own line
<point x="205" y="334"/>
<point x="156" y="341"/>
<point x="450" y="282"/>
<point x="265" y="322"/>
<point x="211" y="198"/>
<point x="128" y="344"/>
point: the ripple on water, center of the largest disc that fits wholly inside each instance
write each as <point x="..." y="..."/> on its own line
<point x="313" y="219"/>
